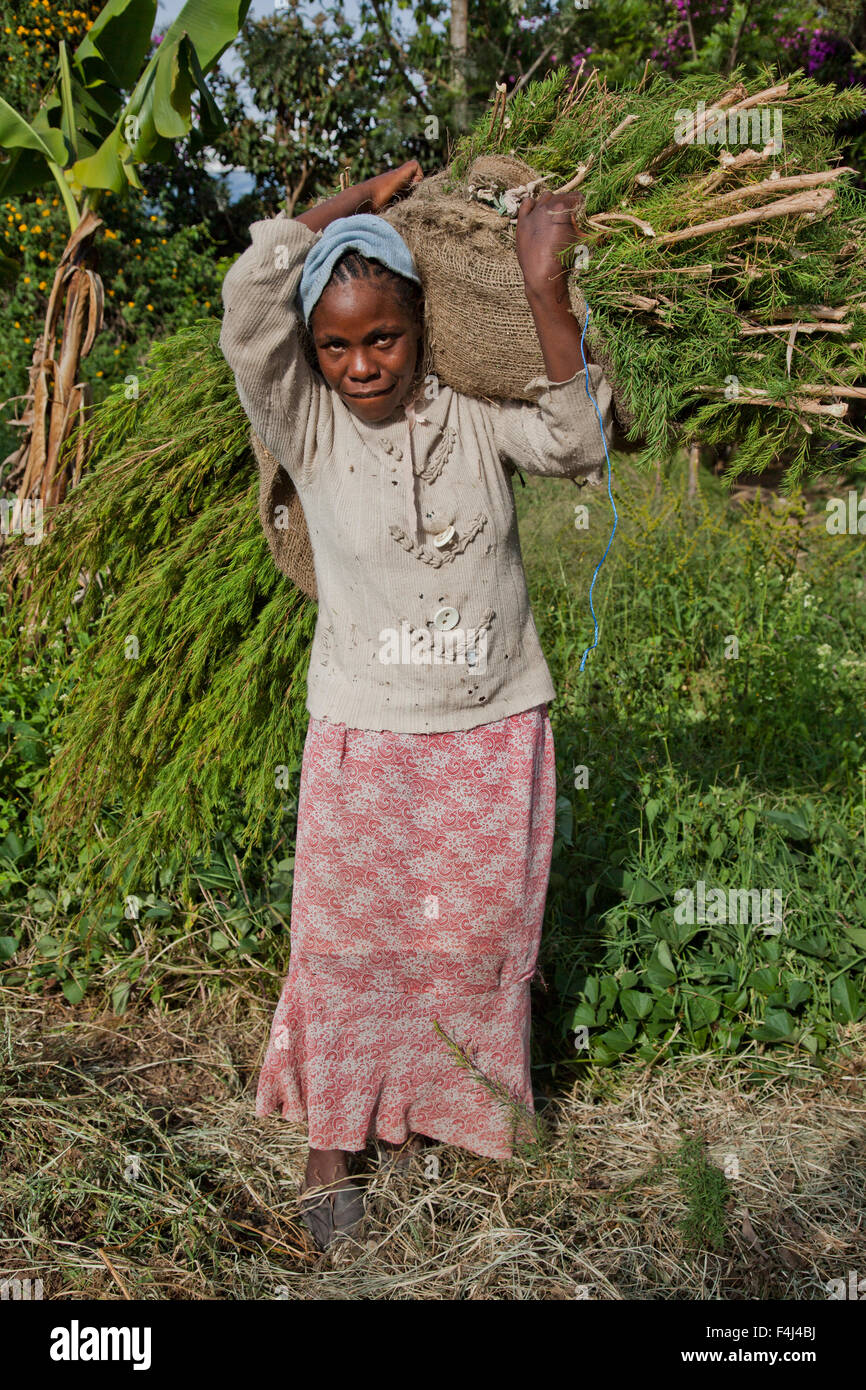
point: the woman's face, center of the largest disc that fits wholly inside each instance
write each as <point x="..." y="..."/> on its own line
<point x="367" y="346"/>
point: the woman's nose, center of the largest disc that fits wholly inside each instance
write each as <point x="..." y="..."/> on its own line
<point x="361" y="368"/>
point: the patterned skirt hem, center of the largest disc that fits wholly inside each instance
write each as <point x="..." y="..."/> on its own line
<point x="438" y="1130"/>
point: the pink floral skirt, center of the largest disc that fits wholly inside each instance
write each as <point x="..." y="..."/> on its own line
<point x="421" y="872"/>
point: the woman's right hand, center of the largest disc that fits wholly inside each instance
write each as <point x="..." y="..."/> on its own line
<point x="393" y="183"/>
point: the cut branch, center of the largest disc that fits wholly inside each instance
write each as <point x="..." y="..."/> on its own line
<point x="748" y="330"/>
<point x="772" y="186"/>
<point x="808" y="203"/>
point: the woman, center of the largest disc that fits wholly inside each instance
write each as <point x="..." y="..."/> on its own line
<point x="427" y="792"/>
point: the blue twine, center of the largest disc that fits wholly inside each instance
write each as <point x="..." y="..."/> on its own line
<point x="609" y="492"/>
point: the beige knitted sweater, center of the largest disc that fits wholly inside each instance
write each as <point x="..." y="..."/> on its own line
<point x="424" y="623"/>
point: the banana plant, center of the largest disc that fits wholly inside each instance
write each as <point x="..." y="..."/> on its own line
<point x="108" y="110"/>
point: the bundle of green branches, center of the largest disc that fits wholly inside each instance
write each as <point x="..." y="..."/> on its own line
<point x="725" y="255"/>
<point x="188" y="649"/>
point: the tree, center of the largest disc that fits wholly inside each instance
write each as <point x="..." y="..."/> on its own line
<point x="89" y="137"/>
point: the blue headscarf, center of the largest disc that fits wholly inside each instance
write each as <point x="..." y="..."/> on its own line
<point x="372" y="236"/>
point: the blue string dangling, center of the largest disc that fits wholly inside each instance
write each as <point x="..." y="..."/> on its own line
<point x="609" y="492"/>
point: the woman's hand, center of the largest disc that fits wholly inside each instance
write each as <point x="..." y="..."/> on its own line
<point x="393" y="183"/>
<point x="545" y="227"/>
<point x="370" y="196"/>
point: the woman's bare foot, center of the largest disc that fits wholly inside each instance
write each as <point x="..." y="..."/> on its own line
<point x="327" y="1167"/>
<point x="337" y="1205"/>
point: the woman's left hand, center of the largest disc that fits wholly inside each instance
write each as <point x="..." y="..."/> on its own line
<point x="545" y="227"/>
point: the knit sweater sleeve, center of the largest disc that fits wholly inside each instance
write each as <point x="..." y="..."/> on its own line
<point x="559" y="434"/>
<point x="288" y="405"/>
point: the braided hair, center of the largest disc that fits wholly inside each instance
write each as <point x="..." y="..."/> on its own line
<point x="353" y="266"/>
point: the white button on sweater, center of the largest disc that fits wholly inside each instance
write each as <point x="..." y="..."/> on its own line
<point x="381" y="580"/>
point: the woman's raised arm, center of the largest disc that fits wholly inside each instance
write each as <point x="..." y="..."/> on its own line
<point x="287" y="405"/>
<point x="370" y="196"/>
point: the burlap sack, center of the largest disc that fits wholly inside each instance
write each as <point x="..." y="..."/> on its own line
<point x="480" y="328"/>
<point x="286" y="530"/>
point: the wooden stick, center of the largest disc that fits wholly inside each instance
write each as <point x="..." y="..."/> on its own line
<point x="810" y="202"/>
<point x="763" y="98"/>
<point x="750" y="331"/>
<point x="602" y="218"/>
<point x="808" y="407"/>
<point x="706" y="269"/>
<point x="732" y="164"/>
<point x="114" y="1274"/>
<point x="757" y="190"/>
<point x="810" y="311"/>
<point x="855" y="392"/>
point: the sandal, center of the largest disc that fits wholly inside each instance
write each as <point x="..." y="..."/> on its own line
<point x="331" y="1212"/>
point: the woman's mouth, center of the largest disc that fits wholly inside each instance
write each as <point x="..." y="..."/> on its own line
<point x="369" y="395"/>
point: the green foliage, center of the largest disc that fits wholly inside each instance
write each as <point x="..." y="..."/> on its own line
<point x="707" y="1194"/>
<point x="110" y="106"/>
<point x="682" y="361"/>
<point x="342" y="76"/>
<point x="31" y="39"/>
<point x="187" y="655"/>
<point x="744" y="769"/>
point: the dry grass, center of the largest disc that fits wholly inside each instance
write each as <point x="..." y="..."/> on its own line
<point x="133" y="1166"/>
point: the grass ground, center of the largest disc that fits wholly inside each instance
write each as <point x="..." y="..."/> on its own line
<point x="134" y="1167"/>
<point x="708" y="1139"/>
